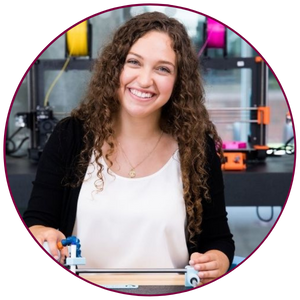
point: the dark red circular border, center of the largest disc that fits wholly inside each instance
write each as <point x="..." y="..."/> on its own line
<point x="112" y="7"/>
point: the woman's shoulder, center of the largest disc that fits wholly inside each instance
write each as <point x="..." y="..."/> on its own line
<point x="69" y="126"/>
<point x="67" y="132"/>
<point x="69" y="122"/>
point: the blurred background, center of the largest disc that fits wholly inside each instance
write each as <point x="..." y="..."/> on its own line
<point x="231" y="96"/>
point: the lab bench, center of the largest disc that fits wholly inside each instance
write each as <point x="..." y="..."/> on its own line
<point x="264" y="183"/>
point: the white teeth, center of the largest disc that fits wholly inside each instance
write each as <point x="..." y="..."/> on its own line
<point x="141" y="94"/>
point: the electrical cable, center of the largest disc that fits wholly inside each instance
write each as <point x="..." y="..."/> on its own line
<point x="287" y="147"/>
<point x="15" y="148"/>
<point x="262" y="219"/>
<point x="10" y="140"/>
<point x="7" y="146"/>
<point x="15" y="133"/>
<point x="20" y="145"/>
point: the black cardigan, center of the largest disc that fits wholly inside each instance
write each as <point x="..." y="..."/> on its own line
<point x="54" y="205"/>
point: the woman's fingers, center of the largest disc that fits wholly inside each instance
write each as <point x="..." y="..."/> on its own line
<point x="52" y="237"/>
<point x="211" y="265"/>
<point x="208" y="265"/>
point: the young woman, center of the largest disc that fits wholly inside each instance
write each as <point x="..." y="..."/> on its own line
<point x="134" y="172"/>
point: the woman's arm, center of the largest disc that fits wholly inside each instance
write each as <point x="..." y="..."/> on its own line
<point x="44" y="208"/>
<point x="49" y="209"/>
<point x="214" y="250"/>
<point x="45" y="203"/>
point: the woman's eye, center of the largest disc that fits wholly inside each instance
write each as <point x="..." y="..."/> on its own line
<point x="164" y="69"/>
<point x="133" y="62"/>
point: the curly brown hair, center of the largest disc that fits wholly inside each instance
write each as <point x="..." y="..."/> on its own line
<point x="184" y="116"/>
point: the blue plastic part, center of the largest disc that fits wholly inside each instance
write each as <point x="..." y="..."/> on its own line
<point x="191" y="277"/>
<point x="72" y="240"/>
<point x="75" y="261"/>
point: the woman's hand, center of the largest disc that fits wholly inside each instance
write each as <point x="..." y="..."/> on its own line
<point x="52" y="236"/>
<point x="211" y="265"/>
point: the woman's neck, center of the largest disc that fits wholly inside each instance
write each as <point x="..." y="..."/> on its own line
<point x="136" y="129"/>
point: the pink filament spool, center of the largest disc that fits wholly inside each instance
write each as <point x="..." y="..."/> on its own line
<point x="215" y="34"/>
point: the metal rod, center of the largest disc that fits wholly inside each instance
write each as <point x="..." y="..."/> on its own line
<point x="232" y="121"/>
<point x="82" y="270"/>
<point x="236" y="112"/>
<point x="232" y="108"/>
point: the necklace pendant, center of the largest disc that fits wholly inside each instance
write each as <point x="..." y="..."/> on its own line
<point x="132" y="173"/>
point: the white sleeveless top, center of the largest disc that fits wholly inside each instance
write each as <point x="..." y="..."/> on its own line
<point x="133" y="222"/>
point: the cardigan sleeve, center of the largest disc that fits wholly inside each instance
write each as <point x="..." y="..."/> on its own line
<point x="48" y="205"/>
<point x="215" y="234"/>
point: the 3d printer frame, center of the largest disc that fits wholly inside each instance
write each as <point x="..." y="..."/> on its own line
<point x="258" y="110"/>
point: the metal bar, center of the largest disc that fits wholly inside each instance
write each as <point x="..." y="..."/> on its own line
<point x="57" y="64"/>
<point x="228" y="113"/>
<point x="32" y="103"/>
<point x="227" y="63"/>
<point x="82" y="270"/>
<point x="232" y="121"/>
<point x="232" y="109"/>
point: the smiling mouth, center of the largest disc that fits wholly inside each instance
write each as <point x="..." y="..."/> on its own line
<point x="142" y="95"/>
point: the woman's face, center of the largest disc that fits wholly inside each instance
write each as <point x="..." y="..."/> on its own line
<point x="148" y="76"/>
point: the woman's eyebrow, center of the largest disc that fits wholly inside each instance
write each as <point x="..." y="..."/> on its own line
<point x="160" y="61"/>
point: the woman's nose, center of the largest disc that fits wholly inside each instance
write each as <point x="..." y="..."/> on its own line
<point x="145" y="78"/>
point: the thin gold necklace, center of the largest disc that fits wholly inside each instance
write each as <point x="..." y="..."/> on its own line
<point x="132" y="172"/>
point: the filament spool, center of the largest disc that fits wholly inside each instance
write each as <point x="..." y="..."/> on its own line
<point x="78" y="40"/>
<point x="214" y="36"/>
